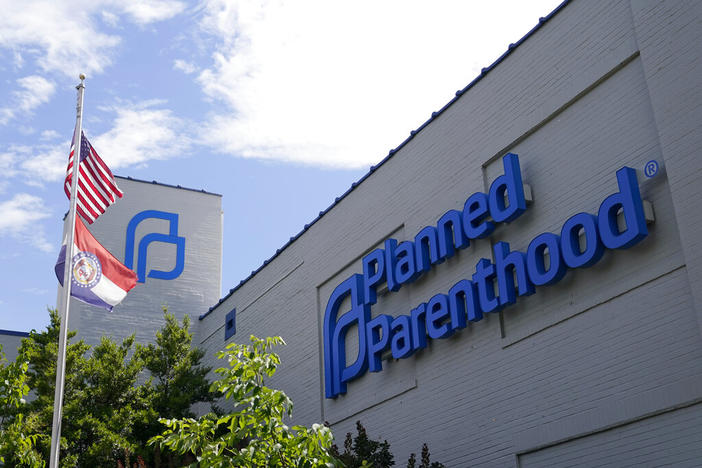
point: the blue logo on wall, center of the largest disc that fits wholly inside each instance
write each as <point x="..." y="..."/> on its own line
<point x="170" y="238"/>
<point x="491" y="288"/>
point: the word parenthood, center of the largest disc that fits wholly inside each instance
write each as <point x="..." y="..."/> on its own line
<point x="468" y="299"/>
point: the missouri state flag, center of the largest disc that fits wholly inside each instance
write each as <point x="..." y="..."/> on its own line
<point x="98" y="278"/>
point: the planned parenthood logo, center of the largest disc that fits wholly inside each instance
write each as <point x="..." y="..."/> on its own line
<point x="170" y="238"/>
<point x="497" y="283"/>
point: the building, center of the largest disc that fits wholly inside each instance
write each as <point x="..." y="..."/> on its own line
<point x="481" y="341"/>
<point x="172" y="237"/>
<point x="596" y="362"/>
<point x="11" y="341"/>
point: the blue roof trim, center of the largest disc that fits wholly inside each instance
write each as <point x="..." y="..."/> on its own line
<point x="413" y="133"/>
<point x="14" y="333"/>
<point x="168" y="185"/>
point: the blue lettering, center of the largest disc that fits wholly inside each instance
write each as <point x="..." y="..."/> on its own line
<point x="419" y="331"/>
<point x="475" y="212"/>
<point x="427" y="249"/>
<point x="437" y="312"/>
<point x="483" y="277"/>
<point x="373" y="274"/>
<point x="507" y="264"/>
<point x="401" y="345"/>
<point x="570" y="241"/>
<point x="511" y="183"/>
<point x="405" y="268"/>
<point x="378" y="340"/>
<point x="450" y="232"/>
<point x="536" y="261"/>
<point x="390" y="260"/>
<point x="629" y="200"/>
<point x="515" y="272"/>
<point x="463" y="303"/>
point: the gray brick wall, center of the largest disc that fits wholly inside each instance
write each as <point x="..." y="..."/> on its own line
<point x="609" y="352"/>
<point x="668" y="34"/>
<point x="10" y="341"/>
<point x="192" y="293"/>
<point x="669" y="439"/>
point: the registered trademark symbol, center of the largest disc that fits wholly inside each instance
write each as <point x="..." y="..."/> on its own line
<point x="651" y="168"/>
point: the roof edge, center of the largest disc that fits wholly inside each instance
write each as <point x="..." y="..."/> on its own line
<point x="154" y="182"/>
<point x="14" y="333"/>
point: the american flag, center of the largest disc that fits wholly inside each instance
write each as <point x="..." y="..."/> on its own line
<point x="96" y="184"/>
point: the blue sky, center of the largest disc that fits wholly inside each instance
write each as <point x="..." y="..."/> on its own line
<point x="278" y="106"/>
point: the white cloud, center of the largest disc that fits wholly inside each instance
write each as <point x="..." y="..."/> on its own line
<point x="47" y="163"/>
<point x="185" y="67"/>
<point x="110" y="18"/>
<point x="34" y="91"/>
<point x="18" y="59"/>
<point x="35" y="164"/>
<point x="141" y="133"/>
<point x="50" y="135"/>
<point x="7" y="169"/>
<point x="63" y="33"/>
<point x="340" y="84"/>
<point x="7" y="164"/>
<point x="19" y="218"/>
<point x="6" y="114"/>
<point x="65" y="36"/>
<point x="149" y="11"/>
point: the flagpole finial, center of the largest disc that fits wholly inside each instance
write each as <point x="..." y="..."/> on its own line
<point x="81" y="85"/>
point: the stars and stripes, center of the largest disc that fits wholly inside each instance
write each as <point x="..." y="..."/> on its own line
<point x="96" y="184"/>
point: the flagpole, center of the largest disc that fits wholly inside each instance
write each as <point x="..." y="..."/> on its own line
<point x="67" y="278"/>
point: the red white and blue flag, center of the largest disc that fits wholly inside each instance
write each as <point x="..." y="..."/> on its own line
<point x="97" y="188"/>
<point x="98" y="278"/>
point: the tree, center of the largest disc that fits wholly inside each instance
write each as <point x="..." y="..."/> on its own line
<point x="175" y="367"/>
<point x="17" y="440"/>
<point x="101" y="399"/>
<point x="108" y="416"/>
<point x="361" y="451"/>
<point x="40" y="350"/>
<point x="254" y="434"/>
<point x="101" y="419"/>
<point x="178" y="380"/>
<point x="426" y="461"/>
